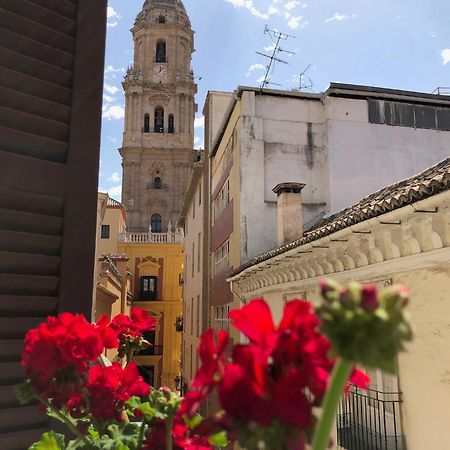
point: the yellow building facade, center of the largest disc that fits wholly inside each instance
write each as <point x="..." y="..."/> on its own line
<point x="156" y="265"/>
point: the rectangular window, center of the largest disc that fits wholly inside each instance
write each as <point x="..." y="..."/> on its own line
<point x="198" y="316"/>
<point x="221" y="320"/>
<point x="199" y="251"/>
<point x="193" y="259"/>
<point x="192" y="317"/>
<point x="221" y="258"/>
<point x="200" y="195"/>
<point x="409" y="115"/>
<point x="426" y="117"/>
<point x="148" y="288"/>
<point x="191" y="365"/>
<point x="222" y="200"/>
<point x="376" y="111"/>
<point x="443" y="119"/>
<point x="193" y="207"/>
<point x="105" y="232"/>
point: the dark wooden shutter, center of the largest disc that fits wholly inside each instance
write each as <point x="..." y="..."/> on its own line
<point x="51" y="75"/>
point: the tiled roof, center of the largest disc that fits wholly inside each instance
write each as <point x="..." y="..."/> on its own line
<point x="432" y="181"/>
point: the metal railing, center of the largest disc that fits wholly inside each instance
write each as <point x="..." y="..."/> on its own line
<point x="370" y="420"/>
<point x="151" y="238"/>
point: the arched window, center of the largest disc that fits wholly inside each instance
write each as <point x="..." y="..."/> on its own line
<point x="161" y="19"/>
<point x="159" y="120"/>
<point x="146" y="123"/>
<point x="171" y="124"/>
<point x="156" y="223"/>
<point x="157" y="183"/>
<point x="161" y="51"/>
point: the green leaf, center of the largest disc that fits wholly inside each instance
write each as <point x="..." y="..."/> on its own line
<point x="194" y="422"/>
<point x="219" y="439"/>
<point x="50" y="441"/>
<point x="80" y="445"/>
<point x="121" y="437"/>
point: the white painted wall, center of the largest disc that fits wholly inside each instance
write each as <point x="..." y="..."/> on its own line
<point x="345" y="159"/>
<point x="365" y="157"/>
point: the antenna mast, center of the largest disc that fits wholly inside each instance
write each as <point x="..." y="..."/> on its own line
<point x="276" y="37"/>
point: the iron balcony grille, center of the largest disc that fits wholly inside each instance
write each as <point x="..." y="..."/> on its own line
<point x="370" y="420"/>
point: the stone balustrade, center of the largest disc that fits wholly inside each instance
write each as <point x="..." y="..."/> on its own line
<point x="151" y="238"/>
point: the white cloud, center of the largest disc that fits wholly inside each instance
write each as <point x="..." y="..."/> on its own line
<point x="269" y="48"/>
<point x="294" y="22"/>
<point x="112" y="69"/>
<point x="291" y="4"/>
<point x="445" y="55"/>
<point x="108" y="98"/>
<point x="199" y="122"/>
<point x="272" y="10"/>
<point x="115" y="177"/>
<point x="254" y="67"/>
<point x="249" y="5"/>
<point x="113" y="112"/>
<point x="116" y="192"/>
<point x="111" y="12"/>
<point x="433" y="34"/>
<point x="261" y="79"/>
<point x="198" y="143"/>
<point x="111" y="89"/>
<point x="338" y="17"/>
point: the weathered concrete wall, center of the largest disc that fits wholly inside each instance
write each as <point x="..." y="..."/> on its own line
<point x="281" y="141"/>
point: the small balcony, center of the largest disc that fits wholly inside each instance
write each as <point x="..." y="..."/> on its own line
<point x="151" y="238"/>
<point x="370" y="420"/>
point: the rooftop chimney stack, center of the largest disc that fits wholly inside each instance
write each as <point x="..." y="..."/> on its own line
<point x="290" y="216"/>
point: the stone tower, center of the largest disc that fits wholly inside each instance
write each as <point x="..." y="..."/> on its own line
<point x="158" y="140"/>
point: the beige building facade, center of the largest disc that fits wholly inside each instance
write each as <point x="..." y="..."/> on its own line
<point x="158" y="138"/>
<point x="195" y="305"/>
<point x="400" y="234"/>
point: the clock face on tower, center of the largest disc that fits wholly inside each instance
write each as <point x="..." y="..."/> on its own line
<point x="160" y="73"/>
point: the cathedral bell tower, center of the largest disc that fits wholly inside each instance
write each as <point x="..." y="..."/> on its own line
<point x="158" y="140"/>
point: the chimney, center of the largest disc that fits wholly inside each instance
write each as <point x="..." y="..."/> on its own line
<point x="290" y="216"/>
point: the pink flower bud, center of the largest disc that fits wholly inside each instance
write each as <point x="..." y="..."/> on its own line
<point x="369" y="298"/>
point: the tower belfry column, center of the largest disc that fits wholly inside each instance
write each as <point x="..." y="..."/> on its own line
<point x="158" y="140"/>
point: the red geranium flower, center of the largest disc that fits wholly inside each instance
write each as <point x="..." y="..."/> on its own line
<point x="134" y="325"/>
<point x="110" y="387"/>
<point x="63" y="344"/>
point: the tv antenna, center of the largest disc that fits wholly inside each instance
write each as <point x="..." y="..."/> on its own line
<point x="276" y="37"/>
<point x="305" y="83"/>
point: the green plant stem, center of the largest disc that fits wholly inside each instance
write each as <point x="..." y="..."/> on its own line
<point x="66" y="421"/>
<point x="141" y="435"/>
<point x="339" y="378"/>
<point x="169" y="438"/>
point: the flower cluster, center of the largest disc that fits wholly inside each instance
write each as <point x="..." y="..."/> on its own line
<point x="58" y="357"/>
<point x="130" y="331"/>
<point x="365" y="326"/>
<point x="269" y="387"/>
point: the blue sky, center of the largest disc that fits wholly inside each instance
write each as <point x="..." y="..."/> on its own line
<point x="402" y="44"/>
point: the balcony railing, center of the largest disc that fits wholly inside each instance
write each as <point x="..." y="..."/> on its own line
<point x="370" y="420"/>
<point x="151" y="238"/>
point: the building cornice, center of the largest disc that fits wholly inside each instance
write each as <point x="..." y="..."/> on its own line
<point x="394" y="236"/>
